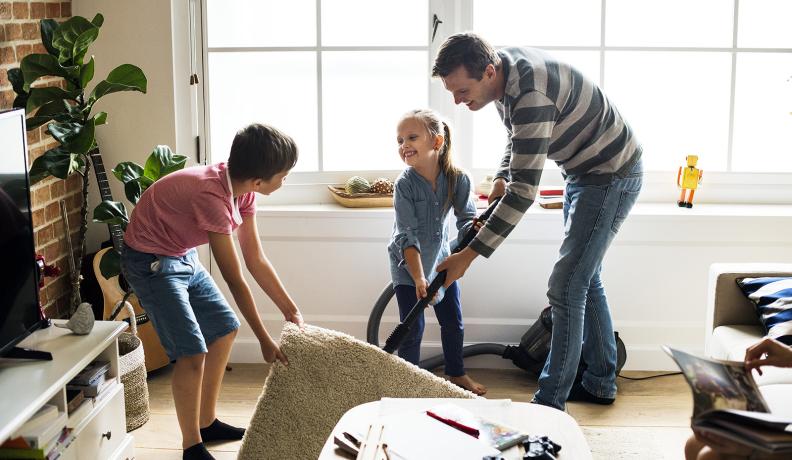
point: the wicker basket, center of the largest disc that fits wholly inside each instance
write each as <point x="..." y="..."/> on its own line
<point x="132" y="368"/>
<point x="360" y="200"/>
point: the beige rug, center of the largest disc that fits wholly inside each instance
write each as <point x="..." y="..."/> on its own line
<point x="328" y="374"/>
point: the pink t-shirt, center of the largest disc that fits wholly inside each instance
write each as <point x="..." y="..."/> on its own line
<point x="175" y="213"/>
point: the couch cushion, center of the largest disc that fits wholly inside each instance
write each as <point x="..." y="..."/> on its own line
<point x="779" y="399"/>
<point x="730" y="342"/>
<point x="773" y="299"/>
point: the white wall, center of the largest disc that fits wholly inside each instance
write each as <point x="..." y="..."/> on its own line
<point x="333" y="262"/>
<point x="140" y="33"/>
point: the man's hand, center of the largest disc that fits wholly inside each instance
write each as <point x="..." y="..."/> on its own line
<point x="295" y="317"/>
<point x="498" y="189"/>
<point x="768" y="352"/>
<point x="271" y="352"/>
<point x="456" y="265"/>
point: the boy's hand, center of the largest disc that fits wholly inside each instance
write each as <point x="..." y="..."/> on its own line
<point x="271" y="352"/>
<point x="498" y="189"/>
<point x="768" y="352"/>
<point x="296" y="318"/>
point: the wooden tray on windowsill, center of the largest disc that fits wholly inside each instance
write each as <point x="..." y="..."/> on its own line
<point x="360" y="200"/>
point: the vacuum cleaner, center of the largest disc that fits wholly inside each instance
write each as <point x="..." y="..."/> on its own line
<point x="530" y="355"/>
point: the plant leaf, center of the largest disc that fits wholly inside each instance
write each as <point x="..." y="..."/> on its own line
<point x="133" y="190"/>
<point x="162" y="161"/>
<point x="100" y="118"/>
<point x="98" y="20"/>
<point x="56" y="162"/>
<point x="145" y="182"/>
<point x="111" y="212"/>
<point x="46" y="113"/>
<point x="72" y="39"/>
<point x="127" y="171"/>
<point x="74" y="137"/>
<point x="44" y="95"/>
<point x="48" y="27"/>
<point x="39" y="65"/>
<point x="20" y="102"/>
<point x="125" y="77"/>
<point x="110" y="265"/>
<point x="17" y="80"/>
<point x="87" y="73"/>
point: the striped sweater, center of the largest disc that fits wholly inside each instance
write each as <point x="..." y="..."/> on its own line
<point x="551" y="111"/>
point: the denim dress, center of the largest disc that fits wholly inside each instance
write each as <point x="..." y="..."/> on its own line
<point x="421" y="222"/>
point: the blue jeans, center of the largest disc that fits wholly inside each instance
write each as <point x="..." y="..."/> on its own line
<point x="593" y="213"/>
<point x="187" y="309"/>
<point x="452" y="331"/>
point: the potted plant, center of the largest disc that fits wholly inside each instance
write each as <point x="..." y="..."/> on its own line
<point x="69" y="110"/>
<point x="136" y="179"/>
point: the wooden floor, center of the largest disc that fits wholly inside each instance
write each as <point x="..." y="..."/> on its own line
<point x="649" y="419"/>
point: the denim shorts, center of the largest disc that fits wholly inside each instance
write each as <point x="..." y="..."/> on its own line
<point x="187" y="309"/>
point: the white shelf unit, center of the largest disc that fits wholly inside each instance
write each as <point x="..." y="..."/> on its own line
<point x="98" y="426"/>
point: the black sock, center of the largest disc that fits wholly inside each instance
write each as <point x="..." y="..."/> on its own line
<point x="579" y="393"/>
<point x="197" y="452"/>
<point x="219" y="431"/>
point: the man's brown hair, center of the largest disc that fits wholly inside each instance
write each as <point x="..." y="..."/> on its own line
<point x="465" y="49"/>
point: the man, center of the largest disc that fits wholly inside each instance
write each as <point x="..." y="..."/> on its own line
<point x="552" y="111"/>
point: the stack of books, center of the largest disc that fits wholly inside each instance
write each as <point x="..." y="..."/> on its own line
<point x="92" y="380"/>
<point x="43" y="436"/>
<point x="551" y="198"/>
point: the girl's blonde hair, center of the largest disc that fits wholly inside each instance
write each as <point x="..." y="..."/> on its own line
<point x="436" y="126"/>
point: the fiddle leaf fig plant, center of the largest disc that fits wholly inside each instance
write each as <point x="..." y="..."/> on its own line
<point x="68" y="108"/>
<point x="136" y="179"/>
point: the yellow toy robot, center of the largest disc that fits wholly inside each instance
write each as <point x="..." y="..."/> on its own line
<point x="688" y="178"/>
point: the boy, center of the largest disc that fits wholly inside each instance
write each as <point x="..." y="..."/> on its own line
<point x="196" y="325"/>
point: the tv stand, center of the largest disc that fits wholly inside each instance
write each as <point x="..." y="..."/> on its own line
<point x="27" y="353"/>
<point x="98" y="425"/>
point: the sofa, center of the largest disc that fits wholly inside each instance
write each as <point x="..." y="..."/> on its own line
<point x="732" y="326"/>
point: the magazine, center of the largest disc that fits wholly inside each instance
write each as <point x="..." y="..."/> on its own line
<point x="727" y="402"/>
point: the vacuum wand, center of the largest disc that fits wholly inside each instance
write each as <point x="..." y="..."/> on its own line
<point x="400" y="332"/>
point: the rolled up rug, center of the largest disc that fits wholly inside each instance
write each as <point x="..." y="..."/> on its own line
<point x="329" y="373"/>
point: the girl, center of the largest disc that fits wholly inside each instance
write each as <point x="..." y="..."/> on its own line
<point x="423" y="196"/>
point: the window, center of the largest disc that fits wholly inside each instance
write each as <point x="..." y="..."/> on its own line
<point x="710" y="77"/>
<point x="332" y="74"/>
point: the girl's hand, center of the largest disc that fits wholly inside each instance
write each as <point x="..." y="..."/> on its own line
<point x="295" y="317"/>
<point x="768" y="352"/>
<point x="421" y="287"/>
<point x="271" y="352"/>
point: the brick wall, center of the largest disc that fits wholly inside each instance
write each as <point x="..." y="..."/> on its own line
<point x="19" y="36"/>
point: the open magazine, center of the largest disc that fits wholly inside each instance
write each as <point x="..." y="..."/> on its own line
<point x="727" y="402"/>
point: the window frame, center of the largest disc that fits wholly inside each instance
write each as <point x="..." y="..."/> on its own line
<point x="457" y="15"/>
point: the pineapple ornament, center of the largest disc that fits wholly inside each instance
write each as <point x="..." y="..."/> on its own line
<point x="382" y="186"/>
<point x="357" y="184"/>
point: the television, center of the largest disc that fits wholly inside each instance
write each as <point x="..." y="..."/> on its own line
<point x="19" y="293"/>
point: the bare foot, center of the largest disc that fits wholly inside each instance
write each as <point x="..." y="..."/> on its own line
<point x="469" y="384"/>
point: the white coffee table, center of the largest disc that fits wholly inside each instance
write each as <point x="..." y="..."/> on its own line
<point x="530" y="418"/>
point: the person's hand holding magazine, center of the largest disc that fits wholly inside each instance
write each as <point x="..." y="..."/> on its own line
<point x="709" y="446"/>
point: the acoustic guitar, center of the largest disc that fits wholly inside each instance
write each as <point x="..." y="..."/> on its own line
<point x="112" y="292"/>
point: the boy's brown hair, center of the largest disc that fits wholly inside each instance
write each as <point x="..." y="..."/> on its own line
<point x="261" y="151"/>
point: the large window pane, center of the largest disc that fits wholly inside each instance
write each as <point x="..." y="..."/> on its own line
<point x="363" y="95"/>
<point x="764" y="24"/>
<point x="699" y="23"/>
<point x="375" y="23"/>
<point x="489" y="134"/>
<point x="277" y="88"/>
<point x="677" y="103"/>
<point x="261" y="23"/>
<point x="763" y="113"/>
<point x="538" y="22"/>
